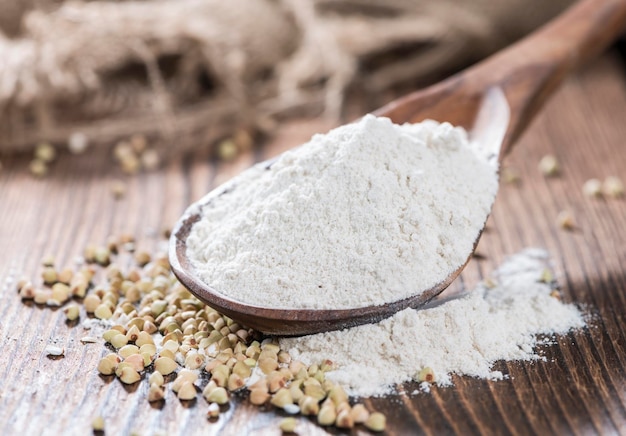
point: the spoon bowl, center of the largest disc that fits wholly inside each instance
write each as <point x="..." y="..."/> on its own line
<point x="305" y="321"/>
<point x="494" y="100"/>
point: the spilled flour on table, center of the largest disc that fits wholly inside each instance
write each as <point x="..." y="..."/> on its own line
<point x="465" y="335"/>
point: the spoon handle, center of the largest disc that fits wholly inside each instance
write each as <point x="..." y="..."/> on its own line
<point x="527" y="72"/>
<point x="530" y="70"/>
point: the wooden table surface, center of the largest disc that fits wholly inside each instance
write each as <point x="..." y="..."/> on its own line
<point x="579" y="389"/>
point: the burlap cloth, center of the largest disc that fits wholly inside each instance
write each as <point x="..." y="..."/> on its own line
<point x="188" y="72"/>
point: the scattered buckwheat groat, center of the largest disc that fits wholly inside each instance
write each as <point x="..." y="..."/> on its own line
<point x="549" y="166"/>
<point x="565" y="220"/>
<point x="592" y="188"/>
<point x="157" y="329"/>
<point x="77" y="143"/>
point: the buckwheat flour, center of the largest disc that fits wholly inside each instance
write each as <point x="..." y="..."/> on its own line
<point x="465" y="335"/>
<point x="368" y="213"/>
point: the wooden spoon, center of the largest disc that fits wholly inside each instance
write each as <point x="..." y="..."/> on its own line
<point x="494" y="100"/>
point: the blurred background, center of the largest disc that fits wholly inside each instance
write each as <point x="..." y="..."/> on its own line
<point x="195" y="73"/>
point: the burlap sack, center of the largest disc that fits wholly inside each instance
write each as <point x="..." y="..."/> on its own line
<point x="187" y="72"/>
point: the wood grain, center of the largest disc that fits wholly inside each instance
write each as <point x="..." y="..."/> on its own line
<point x="580" y="388"/>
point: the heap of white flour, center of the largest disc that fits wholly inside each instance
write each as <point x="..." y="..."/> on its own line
<point x="463" y="336"/>
<point x="368" y="213"/>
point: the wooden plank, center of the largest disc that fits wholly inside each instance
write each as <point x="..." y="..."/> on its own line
<point x="579" y="388"/>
